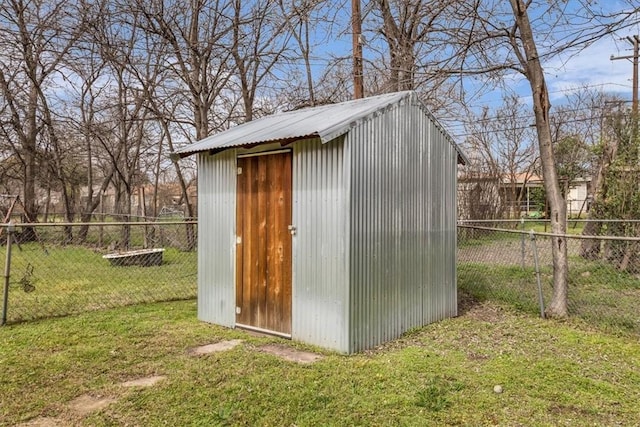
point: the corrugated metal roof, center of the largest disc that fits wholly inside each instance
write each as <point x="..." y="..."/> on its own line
<point x="326" y="122"/>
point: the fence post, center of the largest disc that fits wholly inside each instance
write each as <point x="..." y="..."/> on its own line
<point x="537" y="267"/>
<point x="7" y="274"/>
<point x="522" y="241"/>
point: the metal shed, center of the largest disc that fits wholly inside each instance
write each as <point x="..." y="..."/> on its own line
<point x="333" y="225"/>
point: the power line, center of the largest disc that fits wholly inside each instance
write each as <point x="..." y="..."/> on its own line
<point x="530" y="126"/>
<point x="524" y="117"/>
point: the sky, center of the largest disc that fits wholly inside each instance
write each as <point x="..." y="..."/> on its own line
<point x="571" y="72"/>
<point x="594" y="68"/>
<point x="591" y="68"/>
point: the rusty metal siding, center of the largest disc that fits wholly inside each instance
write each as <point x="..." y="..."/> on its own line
<point x="402" y="234"/>
<point x="320" y="258"/>
<point x="216" y="237"/>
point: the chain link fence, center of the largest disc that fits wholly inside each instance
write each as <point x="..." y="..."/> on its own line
<point x="60" y="269"/>
<point x="54" y="269"/>
<point x="511" y="261"/>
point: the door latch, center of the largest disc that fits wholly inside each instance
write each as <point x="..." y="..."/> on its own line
<point x="292" y="229"/>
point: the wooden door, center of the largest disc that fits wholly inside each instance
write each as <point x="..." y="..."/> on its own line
<point x="263" y="245"/>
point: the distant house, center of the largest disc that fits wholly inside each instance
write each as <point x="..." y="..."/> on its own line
<point x="577" y="198"/>
<point x="486" y="197"/>
<point x="333" y="225"/>
<point x="580" y="196"/>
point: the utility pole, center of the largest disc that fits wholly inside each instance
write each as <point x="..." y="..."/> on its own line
<point x="356" y="25"/>
<point x="635" y="41"/>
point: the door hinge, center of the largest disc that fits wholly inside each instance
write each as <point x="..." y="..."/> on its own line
<point x="238" y="240"/>
<point x="238" y="310"/>
<point x="239" y="171"/>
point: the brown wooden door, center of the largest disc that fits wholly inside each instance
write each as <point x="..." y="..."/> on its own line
<point x="263" y="247"/>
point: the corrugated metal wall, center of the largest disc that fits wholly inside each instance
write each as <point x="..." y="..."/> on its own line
<point x="216" y="237"/>
<point x="320" y="258"/>
<point x="374" y="252"/>
<point x="402" y="249"/>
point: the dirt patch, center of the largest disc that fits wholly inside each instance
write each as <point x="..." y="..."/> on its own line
<point x="256" y="334"/>
<point x="485" y="312"/>
<point x="466" y="302"/>
<point x="477" y="357"/>
<point x="144" y="382"/>
<point x="85" y="404"/>
<point x="290" y="354"/>
<point x="44" y="422"/>
<point x="214" y="348"/>
<point x="565" y="411"/>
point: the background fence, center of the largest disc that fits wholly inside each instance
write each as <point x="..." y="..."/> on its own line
<point x="497" y="260"/>
<point x="59" y="269"/>
<point x="63" y="269"/>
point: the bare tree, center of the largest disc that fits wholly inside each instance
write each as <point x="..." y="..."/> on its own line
<point x="260" y="40"/>
<point x="298" y="19"/>
<point x="503" y="147"/>
<point x="35" y="36"/>
<point x="87" y="103"/>
<point x="413" y="33"/>
<point x="133" y="72"/>
<point x="494" y="39"/>
<point x="607" y="148"/>
<point x="197" y="34"/>
<point x="523" y="44"/>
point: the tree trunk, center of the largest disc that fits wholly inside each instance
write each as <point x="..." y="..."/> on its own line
<point x="590" y="249"/>
<point x="30" y="168"/>
<point x="535" y="75"/>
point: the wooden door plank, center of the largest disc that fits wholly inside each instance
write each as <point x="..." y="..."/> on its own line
<point x="261" y="252"/>
<point x="287" y="260"/>
<point x="274" y="259"/>
<point x="250" y="256"/>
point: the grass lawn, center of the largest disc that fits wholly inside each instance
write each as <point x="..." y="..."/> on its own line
<point x="552" y="373"/>
<point x="72" y="279"/>
<point x="598" y="293"/>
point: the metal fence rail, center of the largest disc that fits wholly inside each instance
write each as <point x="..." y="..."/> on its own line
<point x="515" y="267"/>
<point x="60" y="269"/>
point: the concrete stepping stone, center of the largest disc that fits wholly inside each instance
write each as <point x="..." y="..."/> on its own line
<point x="85" y="404"/>
<point x="291" y="354"/>
<point x="215" y="348"/>
<point x="144" y="382"/>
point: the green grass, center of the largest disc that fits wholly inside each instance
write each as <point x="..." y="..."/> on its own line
<point x="507" y="284"/>
<point x="473" y="237"/>
<point x="54" y="281"/>
<point x="604" y="296"/>
<point x="552" y="373"/>
<point x="598" y="293"/>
